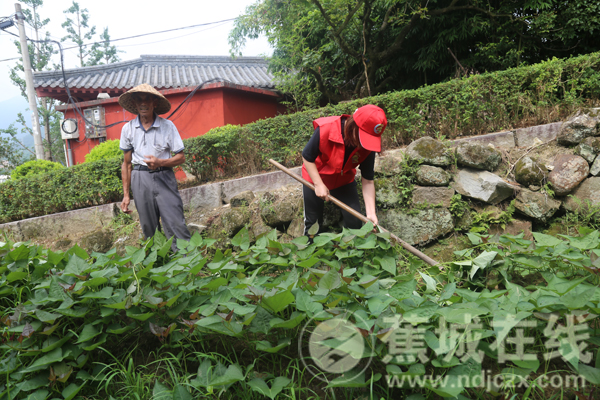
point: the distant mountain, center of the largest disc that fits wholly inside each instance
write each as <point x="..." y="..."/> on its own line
<point x="8" y="115"/>
<point x="10" y="108"/>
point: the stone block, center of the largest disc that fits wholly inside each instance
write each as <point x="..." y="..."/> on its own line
<point x="504" y="139"/>
<point x="268" y="181"/>
<point x="525" y="137"/>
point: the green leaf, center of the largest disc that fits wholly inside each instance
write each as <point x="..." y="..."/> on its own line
<point x="279" y="301"/>
<point x="261" y="321"/>
<point x="71" y="391"/>
<point x="264" y="345"/>
<point x="105" y="293"/>
<point x="321" y="240"/>
<point x="544" y="240"/>
<point x="304" y="302"/>
<point x="591" y="374"/>
<point x="161" y="392"/>
<point x="89" y="332"/>
<point x="232" y="374"/>
<point x="431" y="283"/>
<point x="95" y="282"/>
<point x="313" y="230"/>
<point x="378" y="304"/>
<point x="403" y="290"/>
<point x="41" y="394"/>
<point x="575" y="300"/>
<point x="35" y="382"/>
<point x="357" y="380"/>
<point x="76" y="266"/>
<point x="79" y="252"/>
<point x="482" y="261"/>
<point x="589" y="241"/>
<point x="331" y="280"/>
<point x="387" y="263"/>
<point x="448" y="291"/>
<point x="242" y="239"/>
<point x="139" y="316"/>
<point x="294" y="321"/>
<point x="54" y="356"/>
<point x="16" y="275"/>
<point x="531" y="365"/>
<point x="47" y="317"/>
<point x="422" y="314"/>
<point x="277" y="385"/>
<point x="504" y="321"/>
<point x="180" y="392"/>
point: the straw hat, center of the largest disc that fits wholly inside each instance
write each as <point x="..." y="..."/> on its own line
<point x="126" y="99"/>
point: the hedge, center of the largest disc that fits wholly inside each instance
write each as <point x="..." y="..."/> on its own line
<point x="491" y="102"/>
<point x="34" y="167"/>
<point x="64" y="189"/>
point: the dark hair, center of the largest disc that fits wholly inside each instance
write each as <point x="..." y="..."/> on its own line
<point x="351" y="137"/>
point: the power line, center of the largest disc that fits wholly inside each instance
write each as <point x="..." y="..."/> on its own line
<point x="133" y="37"/>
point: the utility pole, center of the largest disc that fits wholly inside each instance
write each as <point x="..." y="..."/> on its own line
<point x="35" y="122"/>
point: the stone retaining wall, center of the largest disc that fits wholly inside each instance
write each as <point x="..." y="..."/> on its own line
<point x="210" y="196"/>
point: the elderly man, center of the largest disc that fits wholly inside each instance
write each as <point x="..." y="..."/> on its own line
<point x="152" y="147"/>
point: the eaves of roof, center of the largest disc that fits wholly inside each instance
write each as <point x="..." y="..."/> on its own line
<point x="168" y="92"/>
<point x="160" y="71"/>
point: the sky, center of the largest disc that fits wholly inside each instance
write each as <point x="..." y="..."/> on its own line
<point x="126" y="18"/>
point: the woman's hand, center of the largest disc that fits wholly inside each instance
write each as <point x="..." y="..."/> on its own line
<point x="373" y="219"/>
<point x="322" y="192"/>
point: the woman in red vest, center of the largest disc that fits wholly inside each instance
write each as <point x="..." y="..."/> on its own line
<point x="339" y="145"/>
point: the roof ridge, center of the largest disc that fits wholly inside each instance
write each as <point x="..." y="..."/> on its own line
<point x="146" y="58"/>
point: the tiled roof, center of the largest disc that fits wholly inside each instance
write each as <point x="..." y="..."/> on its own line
<point x="162" y="72"/>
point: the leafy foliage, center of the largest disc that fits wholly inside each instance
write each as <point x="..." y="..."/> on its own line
<point x="222" y="151"/>
<point x="79" y="31"/>
<point x="345" y="49"/>
<point x="62" y="189"/>
<point x="71" y="318"/>
<point x="40" y="53"/>
<point x="10" y="153"/>
<point x="34" y="167"/>
<point x="483" y="103"/>
<point x="105" y="53"/>
<point x="105" y="150"/>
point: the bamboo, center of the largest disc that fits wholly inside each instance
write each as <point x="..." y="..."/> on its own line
<point x="358" y="215"/>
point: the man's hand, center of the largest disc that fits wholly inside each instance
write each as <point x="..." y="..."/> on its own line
<point x="152" y="162"/>
<point x="125" y="205"/>
<point x="322" y="192"/>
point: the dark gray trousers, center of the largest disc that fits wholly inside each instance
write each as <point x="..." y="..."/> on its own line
<point x="157" y="200"/>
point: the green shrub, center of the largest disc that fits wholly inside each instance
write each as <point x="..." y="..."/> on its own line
<point x="491" y="102"/>
<point x="223" y="151"/>
<point x="105" y="150"/>
<point x="63" y="189"/>
<point x="34" y="167"/>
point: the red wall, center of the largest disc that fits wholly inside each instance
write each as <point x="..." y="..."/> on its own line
<point x="207" y="109"/>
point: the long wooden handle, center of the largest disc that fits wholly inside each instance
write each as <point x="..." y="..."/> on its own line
<point x="358" y="215"/>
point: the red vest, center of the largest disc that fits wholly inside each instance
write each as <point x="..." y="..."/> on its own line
<point x="330" y="162"/>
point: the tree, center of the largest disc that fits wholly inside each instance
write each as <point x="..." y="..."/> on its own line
<point x="11" y="155"/>
<point x="40" y="53"/>
<point x="345" y="49"/>
<point x="79" y="31"/>
<point x="105" y="53"/>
